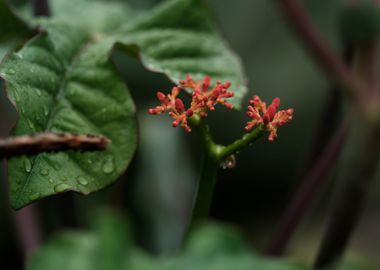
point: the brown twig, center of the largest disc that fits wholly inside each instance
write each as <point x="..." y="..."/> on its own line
<point x="50" y="142"/>
<point x="41" y="8"/>
<point x="312" y="183"/>
<point x="320" y="50"/>
<point x="357" y="170"/>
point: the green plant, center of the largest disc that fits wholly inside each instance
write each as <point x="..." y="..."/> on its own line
<point x="77" y="130"/>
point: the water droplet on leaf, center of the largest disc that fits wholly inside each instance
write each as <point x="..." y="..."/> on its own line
<point x="44" y="172"/>
<point x="18" y="55"/>
<point x="30" y="124"/>
<point x="61" y="187"/>
<point x="83" y="181"/>
<point x="35" y="196"/>
<point x="11" y="71"/>
<point x="51" y="181"/>
<point x="108" y="166"/>
<point x="27" y="165"/>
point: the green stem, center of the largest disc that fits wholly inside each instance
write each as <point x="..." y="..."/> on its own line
<point x="213" y="154"/>
<point x="205" y="188"/>
<point x="242" y="143"/>
<point x="209" y="170"/>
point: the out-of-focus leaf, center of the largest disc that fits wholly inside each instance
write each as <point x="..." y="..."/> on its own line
<point x="210" y="248"/>
<point x="62" y="80"/>
<point x="103" y="248"/>
<point x="177" y="38"/>
<point x="12" y="28"/>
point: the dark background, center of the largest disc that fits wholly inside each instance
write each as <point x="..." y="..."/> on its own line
<point x="156" y="191"/>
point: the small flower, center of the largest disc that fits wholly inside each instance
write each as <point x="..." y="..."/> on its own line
<point x="268" y="116"/>
<point x="203" y="100"/>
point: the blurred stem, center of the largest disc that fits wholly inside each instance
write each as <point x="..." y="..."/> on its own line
<point x="358" y="167"/>
<point x="320" y="50"/>
<point x="311" y="185"/>
<point x="41" y="8"/>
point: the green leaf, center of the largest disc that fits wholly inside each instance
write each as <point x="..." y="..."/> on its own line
<point x="210" y="248"/>
<point x="92" y="15"/>
<point x="102" y="248"/>
<point x="12" y="29"/>
<point x="62" y="80"/>
<point x="179" y="38"/>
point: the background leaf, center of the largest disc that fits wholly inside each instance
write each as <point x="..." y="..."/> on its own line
<point x="211" y="247"/>
<point x="92" y="15"/>
<point x="12" y="29"/>
<point x="177" y="38"/>
<point x="62" y="80"/>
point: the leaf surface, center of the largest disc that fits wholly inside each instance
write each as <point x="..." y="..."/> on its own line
<point x="62" y="81"/>
<point x="177" y="38"/>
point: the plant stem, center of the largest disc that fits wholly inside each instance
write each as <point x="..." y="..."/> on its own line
<point x="41" y="8"/>
<point x="50" y="142"/>
<point x="332" y="64"/>
<point x="213" y="154"/>
<point x="205" y="188"/>
<point x="357" y="170"/>
<point x="358" y="166"/>
<point x="209" y="170"/>
<point x="311" y="185"/>
<point x="242" y="143"/>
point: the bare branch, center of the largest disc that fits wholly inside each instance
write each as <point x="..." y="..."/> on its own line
<point x="50" y="142"/>
<point x="322" y="52"/>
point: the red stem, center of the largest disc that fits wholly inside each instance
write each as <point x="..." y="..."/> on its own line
<point x="311" y="185"/>
<point x="320" y="50"/>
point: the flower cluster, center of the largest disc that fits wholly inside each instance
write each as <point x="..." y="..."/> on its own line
<point x="203" y="100"/>
<point x="268" y="116"/>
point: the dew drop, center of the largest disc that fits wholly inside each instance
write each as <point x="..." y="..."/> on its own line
<point x="44" y="172"/>
<point x="46" y="112"/>
<point x="17" y="97"/>
<point x="38" y="92"/>
<point x="64" y="178"/>
<point x="89" y="161"/>
<point x="30" y="124"/>
<point x="18" y="55"/>
<point x="27" y="165"/>
<point x="108" y="166"/>
<point x="31" y="70"/>
<point x="61" y="187"/>
<point x="35" y="196"/>
<point x="228" y="163"/>
<point x="51" y="181"/>
<point x="57" y="167"/>
<point x="83" y="181"/>
<point x="11" y="71"/>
